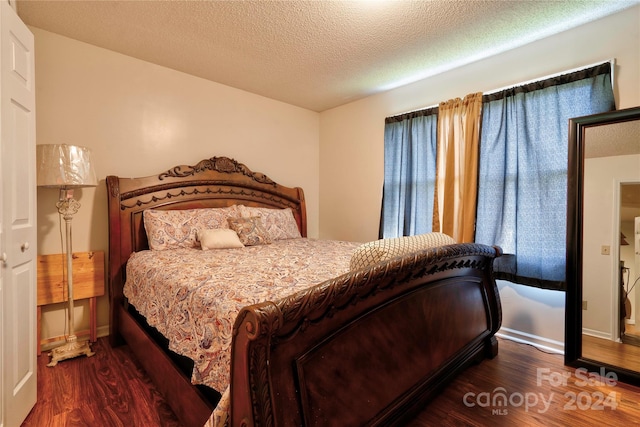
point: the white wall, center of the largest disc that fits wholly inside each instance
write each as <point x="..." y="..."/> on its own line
<point x="352" y="144"/>
<point x="140" y="119"/>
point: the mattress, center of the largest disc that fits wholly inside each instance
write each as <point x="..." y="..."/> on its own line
<point x="193" y="296"/>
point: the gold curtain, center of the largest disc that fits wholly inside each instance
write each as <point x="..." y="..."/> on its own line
<point x="454" y="208"/>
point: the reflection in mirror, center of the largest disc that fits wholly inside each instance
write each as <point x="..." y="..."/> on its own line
<point x="630" y="262"/>
<point x="603" y="247"/>
<point x="611" y="170"/>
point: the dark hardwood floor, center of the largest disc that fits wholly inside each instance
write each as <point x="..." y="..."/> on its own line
<point x="110" y="389"/>
<point x="107" y="389"/>
<point x="540" y="391"/>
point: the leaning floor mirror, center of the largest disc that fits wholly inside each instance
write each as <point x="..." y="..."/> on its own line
<point x="602" y="325"/>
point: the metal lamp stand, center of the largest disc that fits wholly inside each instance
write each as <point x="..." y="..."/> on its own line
<point x="67" y="207"/>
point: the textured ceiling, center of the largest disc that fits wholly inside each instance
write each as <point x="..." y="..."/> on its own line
<point x="313" y="54"/>
<point x="615" y="139"/>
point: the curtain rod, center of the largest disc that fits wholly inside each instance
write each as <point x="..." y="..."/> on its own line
<point x="550" y="76"/>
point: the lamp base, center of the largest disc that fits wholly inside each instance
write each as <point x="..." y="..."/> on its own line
<point x="72" y="348"/>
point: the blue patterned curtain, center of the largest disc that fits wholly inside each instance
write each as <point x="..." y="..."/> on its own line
<point x="522" y="194"/>
<point x="409" y="173"/>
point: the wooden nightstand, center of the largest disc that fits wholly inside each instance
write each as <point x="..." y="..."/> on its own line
<point x="88" y="283"/>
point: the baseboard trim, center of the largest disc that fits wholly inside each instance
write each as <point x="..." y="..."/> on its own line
<point x="596" y="334"/>
<point x="541" y="343"/>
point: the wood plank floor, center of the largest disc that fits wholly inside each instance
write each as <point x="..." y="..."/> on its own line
<point x="527" y="374"/>
<point x="110" y="389"/>
<point x="107" y="389"/>
<point x="615" y="353"/>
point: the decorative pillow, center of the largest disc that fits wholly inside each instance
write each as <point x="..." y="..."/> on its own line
<point x="170" y="229"/>
<point x="250" y="230"/>
<point x="386" y="249"/>
<point x="219" y="238"/>
<point x="279" y="223"/>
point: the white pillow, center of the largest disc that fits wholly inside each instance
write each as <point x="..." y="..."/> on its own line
<point x="219" y="238"/>
<point x="386" y="249"/>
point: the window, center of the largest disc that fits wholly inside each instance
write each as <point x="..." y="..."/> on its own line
<point x="409" y="173"/>
<point x="522" y="177"/>
<point x="522" y="182"/>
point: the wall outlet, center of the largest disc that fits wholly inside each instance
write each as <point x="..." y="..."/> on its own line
<point x="605" y="250"/>
<point x="584" y="305"/>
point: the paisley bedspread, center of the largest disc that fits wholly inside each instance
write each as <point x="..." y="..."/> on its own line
<point x="193" y="296"/>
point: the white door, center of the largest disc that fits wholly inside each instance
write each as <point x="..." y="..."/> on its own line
<point x="18" y="292"/>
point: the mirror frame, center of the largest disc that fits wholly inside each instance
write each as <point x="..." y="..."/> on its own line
<point x="575" y="203"/>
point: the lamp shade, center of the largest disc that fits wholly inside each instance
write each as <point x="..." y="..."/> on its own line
<point x="64" y="166"/>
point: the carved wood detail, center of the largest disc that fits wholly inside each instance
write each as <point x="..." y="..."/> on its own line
<point x="275" y="322"/>
<point x="232" y="192"/>
<point x="271" y="318"/>
<point x="260" y="387"/>
<point x="217" y="164"/>
<point x="114" y="188"/>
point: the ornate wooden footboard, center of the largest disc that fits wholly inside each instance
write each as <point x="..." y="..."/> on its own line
<point x="367" y="348"/>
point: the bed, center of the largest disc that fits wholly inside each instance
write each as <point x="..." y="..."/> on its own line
<point x="368" y="345"/>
